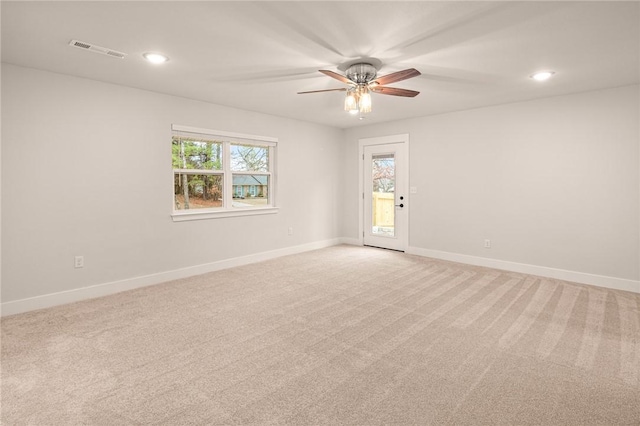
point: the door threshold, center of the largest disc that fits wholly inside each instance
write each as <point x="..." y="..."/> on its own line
<point x="384" y="248"/>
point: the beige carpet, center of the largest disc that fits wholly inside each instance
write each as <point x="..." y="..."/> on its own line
<point x="339" y="336"/>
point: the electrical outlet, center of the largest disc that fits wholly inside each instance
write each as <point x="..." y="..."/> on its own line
<point x="78" y="261"/>
<point x="290" y="231"/>
<point x="487" y="243"/>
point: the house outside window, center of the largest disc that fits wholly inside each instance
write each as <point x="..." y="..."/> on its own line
<point x="219" y="174"/>
<point x="250" y="186"/>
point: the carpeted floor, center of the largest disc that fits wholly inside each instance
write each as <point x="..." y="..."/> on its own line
<point x="340" y="336"/>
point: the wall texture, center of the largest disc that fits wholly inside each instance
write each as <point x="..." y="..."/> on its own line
<point x="86" y="170"/>
<point x="552" y="182"/>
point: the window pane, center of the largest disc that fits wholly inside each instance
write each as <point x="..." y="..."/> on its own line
<point x="197" y="191"/>
<point x="196" y="154"/>
<point x="383" y="198"/>
<point x="249" y="158"/>
<point x="250" y="190"/>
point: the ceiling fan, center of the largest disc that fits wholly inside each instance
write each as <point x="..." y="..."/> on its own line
<point x="361" y="78"/>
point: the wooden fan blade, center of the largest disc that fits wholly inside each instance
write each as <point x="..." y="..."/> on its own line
<point x="394" y="91"/>
<point x="397" y="76"/>
<point x="337" y="76"/>
<point x="325" y="90"/>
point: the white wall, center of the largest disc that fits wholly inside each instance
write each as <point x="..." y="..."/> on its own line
<point x="553" y="183"/>
<point x="86" y="170"/>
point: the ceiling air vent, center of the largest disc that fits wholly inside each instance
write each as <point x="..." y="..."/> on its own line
<point x="97" y="49"/>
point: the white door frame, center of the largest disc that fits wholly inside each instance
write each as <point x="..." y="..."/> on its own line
<point x="382" y="140"/>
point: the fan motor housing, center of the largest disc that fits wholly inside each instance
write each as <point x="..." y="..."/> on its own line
<point x="361" y="73"/>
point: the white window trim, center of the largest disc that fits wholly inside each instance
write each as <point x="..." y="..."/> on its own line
<point x="227" y="173"/>
<point x="210" y="214"/>
<point x="225" y="135"/>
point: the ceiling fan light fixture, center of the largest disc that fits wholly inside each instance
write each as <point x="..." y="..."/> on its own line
<point x="364" y="103"/>
<point x="361" y="79"/>
<point x="350" y="102"/>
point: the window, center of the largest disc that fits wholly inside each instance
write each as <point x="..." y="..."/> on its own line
<point x="218" y="174"/>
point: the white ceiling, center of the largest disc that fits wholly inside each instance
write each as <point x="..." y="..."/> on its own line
<point x="257" y="55"/>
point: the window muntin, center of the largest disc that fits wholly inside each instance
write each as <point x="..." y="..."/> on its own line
<point x="207" y="165"/>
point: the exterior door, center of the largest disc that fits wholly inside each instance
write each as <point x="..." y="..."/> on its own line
<point x="385" y="208"/>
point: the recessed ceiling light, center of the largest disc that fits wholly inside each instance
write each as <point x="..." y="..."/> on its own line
<point x="155" y="58"/>
<point x="542" y="75"/>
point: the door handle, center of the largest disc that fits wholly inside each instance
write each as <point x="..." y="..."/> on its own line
<point x="400" y="205"/>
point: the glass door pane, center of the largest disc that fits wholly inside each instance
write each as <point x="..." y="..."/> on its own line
<point x="383" y="211"/>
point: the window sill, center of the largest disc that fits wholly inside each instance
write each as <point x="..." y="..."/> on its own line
<point x="211" y="214"/>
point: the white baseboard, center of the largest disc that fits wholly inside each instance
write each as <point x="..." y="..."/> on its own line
<point x="543" y="271"/>
<point x="350" y="241"/>
<point x="105" y="289"/>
